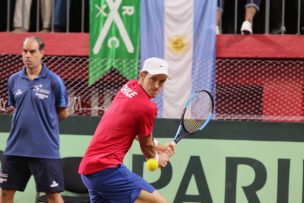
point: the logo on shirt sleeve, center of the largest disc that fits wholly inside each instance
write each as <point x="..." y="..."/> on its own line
<point x="40" y="92"/>
<point x="18" y="92"/>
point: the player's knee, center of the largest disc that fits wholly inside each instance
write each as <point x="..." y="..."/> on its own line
<point x="162" y="200"/>
<point x="154" y="197"/>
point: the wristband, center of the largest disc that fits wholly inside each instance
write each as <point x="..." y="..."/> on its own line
<point x="156" y="157"/>
<point x="155" y="141"/>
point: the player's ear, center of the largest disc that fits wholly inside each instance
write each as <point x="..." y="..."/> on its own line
<point x="42" y="52"/>
<point x="140" y="78"/>
<point x="142" y="74"/>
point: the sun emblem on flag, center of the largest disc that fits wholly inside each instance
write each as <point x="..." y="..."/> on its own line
<point x="178" y="44"/>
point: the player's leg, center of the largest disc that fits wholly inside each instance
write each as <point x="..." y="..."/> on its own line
<point x="154" y="197"/>
<point x="140" y="189"/>
<point x="14" y="176"/>
<point x="119" y="183"/>
<point x="48" y="176"/>
<point x="54" y="197"/>
<point x="94" y="196"/>
<point x="7" y="196"/>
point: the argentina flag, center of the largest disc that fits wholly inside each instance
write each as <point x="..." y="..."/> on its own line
<point x="183" y="33"/>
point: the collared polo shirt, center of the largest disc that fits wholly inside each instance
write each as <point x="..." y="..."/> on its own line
<point x="34" y="128"/>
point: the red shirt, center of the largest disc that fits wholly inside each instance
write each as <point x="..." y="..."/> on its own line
<point x="131" y="113"/>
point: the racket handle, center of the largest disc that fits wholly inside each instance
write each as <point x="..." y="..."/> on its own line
<point x="173" y="143"/>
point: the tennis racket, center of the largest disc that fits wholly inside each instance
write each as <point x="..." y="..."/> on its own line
<point x="196" y="114"/>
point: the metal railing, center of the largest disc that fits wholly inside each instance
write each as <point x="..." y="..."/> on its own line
<point x="10" y="9"/>
<point x="84" y="9"/>
<point x="275" y="9"/>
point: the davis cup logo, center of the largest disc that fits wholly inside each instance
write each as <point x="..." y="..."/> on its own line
<point x="113" y="17"/>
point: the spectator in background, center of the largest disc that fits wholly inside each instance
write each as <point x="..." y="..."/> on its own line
<point x="251" y="8"/>
<point x="23" y="11"/>
<point x="73" y="10"/>
<point x="60" y="15"/>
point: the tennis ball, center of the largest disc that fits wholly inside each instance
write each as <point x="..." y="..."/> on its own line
<point x="152" y="164"/>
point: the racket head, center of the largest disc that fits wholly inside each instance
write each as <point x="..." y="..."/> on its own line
<point x="197" y="112"/>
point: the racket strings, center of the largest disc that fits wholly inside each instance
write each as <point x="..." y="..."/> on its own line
<point x="197" y="112"/>
<point x="192" y="125"/>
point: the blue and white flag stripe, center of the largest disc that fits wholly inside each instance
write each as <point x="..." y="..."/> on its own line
<point x="178" y="45"/>
<point x="183" y="33"/>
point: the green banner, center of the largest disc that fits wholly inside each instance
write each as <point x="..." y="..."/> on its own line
<point x="114" y="38"/>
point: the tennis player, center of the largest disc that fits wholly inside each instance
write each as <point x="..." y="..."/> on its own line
<point x="131" y="116"/>
<point x="38" y="98"/>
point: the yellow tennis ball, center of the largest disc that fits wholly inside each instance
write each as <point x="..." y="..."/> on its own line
<point x="152" y="164"/>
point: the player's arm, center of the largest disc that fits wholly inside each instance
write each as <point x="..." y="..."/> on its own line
<point x="61" y="99"/>
<point x="62" y="113"/>
<point x="147" y="146"/>
<point x="149" y="150"/>
<point x="11" y="99"/>
<point x="167" y="148"/>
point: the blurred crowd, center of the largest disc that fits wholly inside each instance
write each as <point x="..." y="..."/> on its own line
<point x="44" y="15"/>
<point x="233" y="16"/>
<point x="250" y="16"/>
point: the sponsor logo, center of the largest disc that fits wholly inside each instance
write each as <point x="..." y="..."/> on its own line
<point x="40" y="92"/>
<point x="54" y="184"/>
<point x="126" y="90"/>
<point x="18" y="92"/>
<point x="3" y="177"/>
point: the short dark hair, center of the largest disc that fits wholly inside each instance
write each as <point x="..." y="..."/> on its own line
<point x="37" y="39"/>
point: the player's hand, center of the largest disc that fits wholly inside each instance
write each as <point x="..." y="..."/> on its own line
<point x="168" y="148"/>
<point x="9" y="109"/>
<point x="163" y="160"/>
